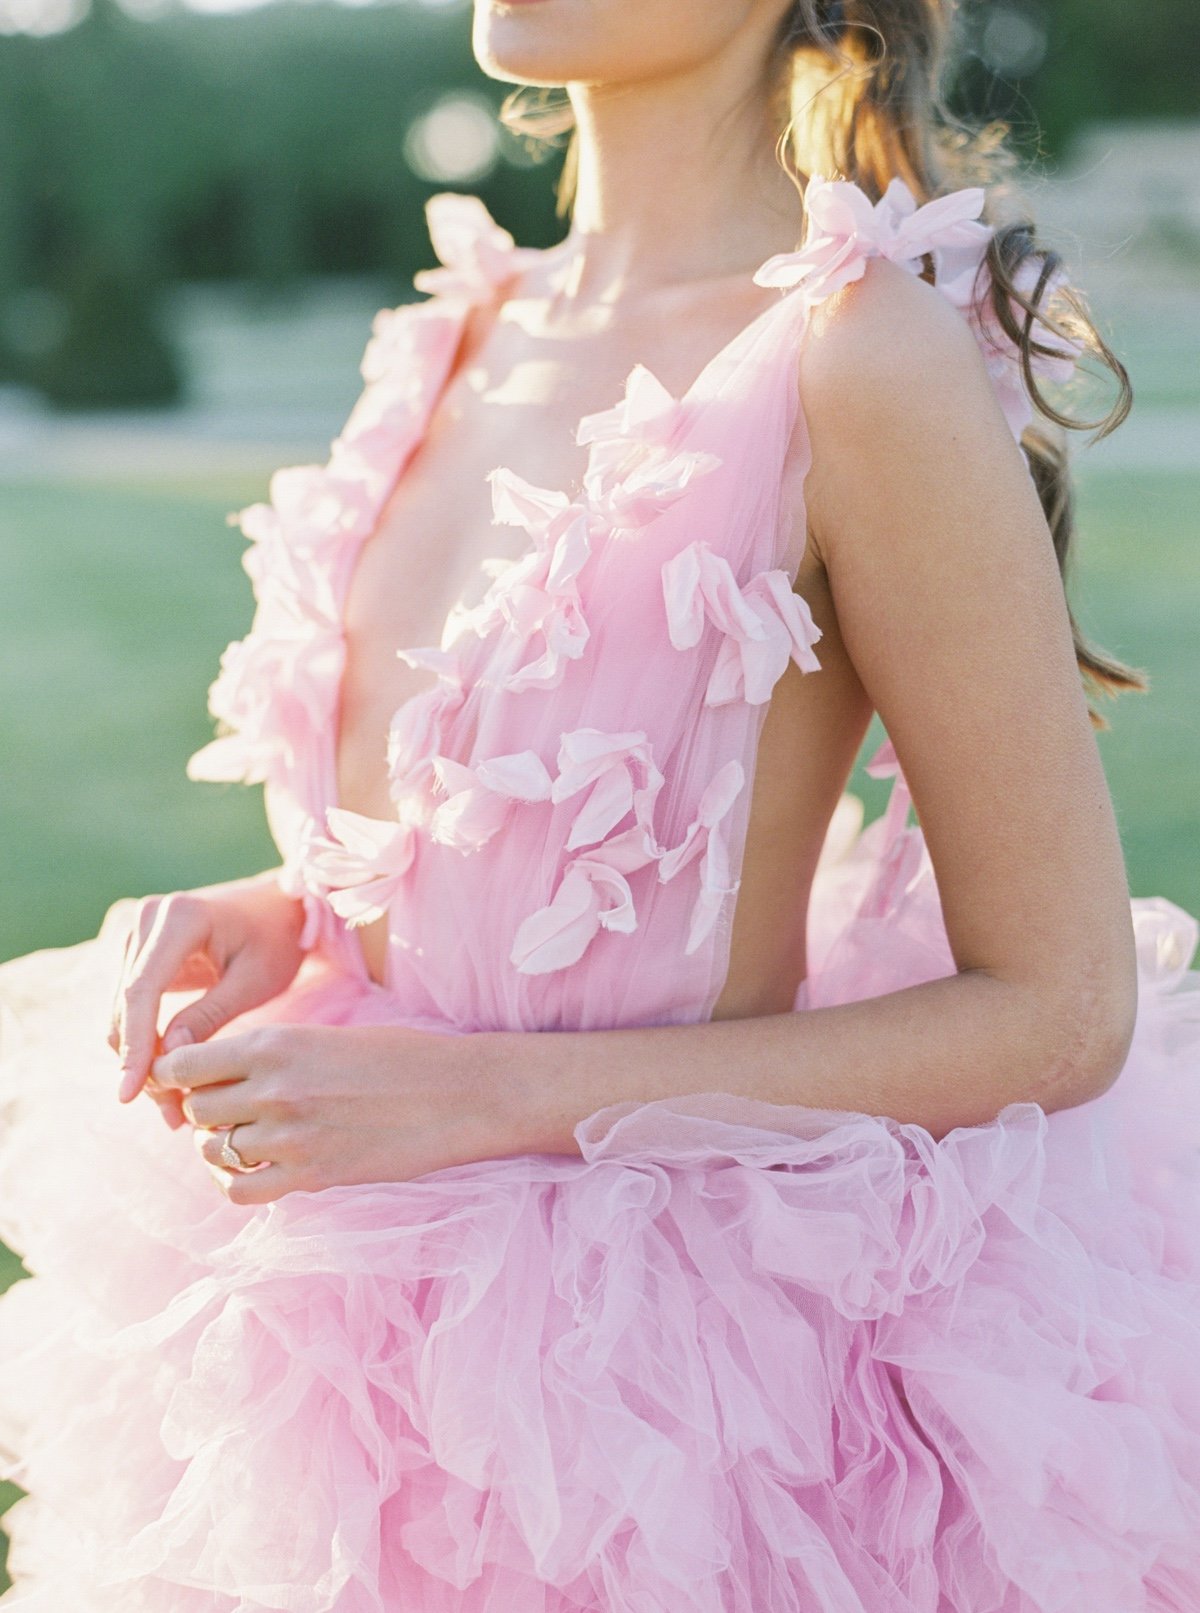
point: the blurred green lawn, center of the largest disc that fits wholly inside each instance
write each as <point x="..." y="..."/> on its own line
<point x="116" y="601"/>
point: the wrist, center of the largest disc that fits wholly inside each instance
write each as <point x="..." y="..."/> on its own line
<point x="519" y="1077"/>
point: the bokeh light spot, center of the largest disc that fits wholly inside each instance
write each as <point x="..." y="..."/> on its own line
<point x="456" y="140"/>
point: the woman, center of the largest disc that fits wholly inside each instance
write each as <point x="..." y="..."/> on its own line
<point x="607" y="1207"/>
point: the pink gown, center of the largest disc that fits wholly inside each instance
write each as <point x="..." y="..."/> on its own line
<point x="735" y="1358"/>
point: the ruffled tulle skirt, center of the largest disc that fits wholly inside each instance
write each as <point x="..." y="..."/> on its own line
<point x="738" y="1358"/>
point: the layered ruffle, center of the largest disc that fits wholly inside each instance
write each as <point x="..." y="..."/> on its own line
<point x="735" y="1356"/>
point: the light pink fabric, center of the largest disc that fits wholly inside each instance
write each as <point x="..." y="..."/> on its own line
<point x="737" y="1358"/>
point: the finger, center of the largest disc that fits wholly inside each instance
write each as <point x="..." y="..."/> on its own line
<point x="199" y="1064"/>
<point x="249" y="1141"/>
<point x="170" y="1106"/>
<point x="114" y="1013"/>
<point x="136" y="932"/>
<point x="179" y="930"/>
<point x="260" y="1186"/>
<point x="239" y="988"/>
<point x="227" y="1103"/>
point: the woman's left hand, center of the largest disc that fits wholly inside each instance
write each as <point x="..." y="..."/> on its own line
<point x="329" y="1105"/>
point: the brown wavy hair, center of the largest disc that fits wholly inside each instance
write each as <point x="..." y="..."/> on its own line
<point x="856" y="89"/>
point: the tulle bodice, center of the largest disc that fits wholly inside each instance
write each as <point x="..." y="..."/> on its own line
<point x="572" y="790"/>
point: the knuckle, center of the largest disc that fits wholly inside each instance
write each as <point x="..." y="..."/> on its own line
<point x="273" y="1097"/>
<point x="139" y="990"/>
<point x="204" y="1016"/>
<point x="270" y="1045"/>
<point x="294" y="1144"/>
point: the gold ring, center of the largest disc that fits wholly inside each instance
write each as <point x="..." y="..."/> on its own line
<point x="228" y="1155"/>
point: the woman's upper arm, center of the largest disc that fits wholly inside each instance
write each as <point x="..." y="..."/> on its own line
<point x="950" y="604"/>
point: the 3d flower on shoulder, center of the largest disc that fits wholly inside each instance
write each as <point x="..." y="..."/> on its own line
<point x="477" y="254"/>
<point x="479" y="798"/>
<point x="359" y="867"/>
<point x="593" y="894"/>
<point x="634" y="469"/>
<point x="619" y="774"/>
<point x="1001" y="354"/>
<point x="704" y="838"/>
<point x="844" y="229"/>
<point x="538" y="596"/>
<point x="764" y="625"/>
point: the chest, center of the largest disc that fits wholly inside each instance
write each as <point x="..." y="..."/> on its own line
<point x="514" y="398"/>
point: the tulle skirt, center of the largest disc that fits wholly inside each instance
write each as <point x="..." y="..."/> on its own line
<point x="737" y="1358"/>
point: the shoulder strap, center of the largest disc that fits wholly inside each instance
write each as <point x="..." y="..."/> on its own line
<point x="844" y="229"/>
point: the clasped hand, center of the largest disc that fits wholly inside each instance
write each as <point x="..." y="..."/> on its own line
<point x="319" y="1106"/>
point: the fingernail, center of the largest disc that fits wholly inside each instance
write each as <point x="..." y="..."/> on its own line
<point x="179" y="1037"/>
<point x="128" y="1085"/>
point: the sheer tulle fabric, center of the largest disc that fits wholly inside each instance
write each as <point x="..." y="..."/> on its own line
<point x="735" y="1356"/>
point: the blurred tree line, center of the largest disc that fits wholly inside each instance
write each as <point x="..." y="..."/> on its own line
<point x="271" y="144"/>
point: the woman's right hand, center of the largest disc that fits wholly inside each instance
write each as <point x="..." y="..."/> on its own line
<point x="240" y="939"/>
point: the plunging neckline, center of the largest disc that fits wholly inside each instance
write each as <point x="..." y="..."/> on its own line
<point x="727" y="359"/>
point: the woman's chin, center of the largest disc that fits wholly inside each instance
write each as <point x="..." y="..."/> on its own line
<point x="555" y="42"/>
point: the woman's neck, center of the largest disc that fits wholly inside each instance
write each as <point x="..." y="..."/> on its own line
<point x="677" y="180"/>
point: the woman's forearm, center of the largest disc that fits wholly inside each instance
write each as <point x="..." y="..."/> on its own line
<point x="950" y="1052"/>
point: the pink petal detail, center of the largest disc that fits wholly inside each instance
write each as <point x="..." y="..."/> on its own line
<point x="607" y="765"/>
<point x="764" y="625"/>
<point x="361" y="865"/>
<point x="479" y="798"/>
<point x="705" y="839"/>
<point x="478" y="255"/>
<point x="844" y="229"/>
<point x="593" y="894"/>
<point x="647" y="411"/>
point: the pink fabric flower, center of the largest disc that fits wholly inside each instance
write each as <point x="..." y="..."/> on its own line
<point x="1003" y="356"/>
<point x="361" y="865"/>
<point x="417" y="726"/>
<point x="703" y="838"/>
<point x="647" y="411"/>
<point x="270" y="695"/>
<point x="593" y="894"/>
<point x="479" y="798"/>
<point x="619" y="774"/>
<point x="477" y="255"/>
<point x="765" y="624"/>
<point x="538" y="595"/>
<point x="844" y="229"/>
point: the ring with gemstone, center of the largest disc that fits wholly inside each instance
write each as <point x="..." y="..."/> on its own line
<point x="228" y="1154"/>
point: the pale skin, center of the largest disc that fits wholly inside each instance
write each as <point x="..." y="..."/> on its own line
<point x="926" y="561"/>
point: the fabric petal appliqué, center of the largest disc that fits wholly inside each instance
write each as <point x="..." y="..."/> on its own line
<point x="844" y="229"/>
<point x="360" y="866"/>
<point x="479" y="798"/>
<point x="703" y="838"/>
<point x="537" y="596"/>
<point x="608" y="766"/>
<point x="593" y="894"/>
<point x="765" y="624"/>
<point x="477" y="254"/>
